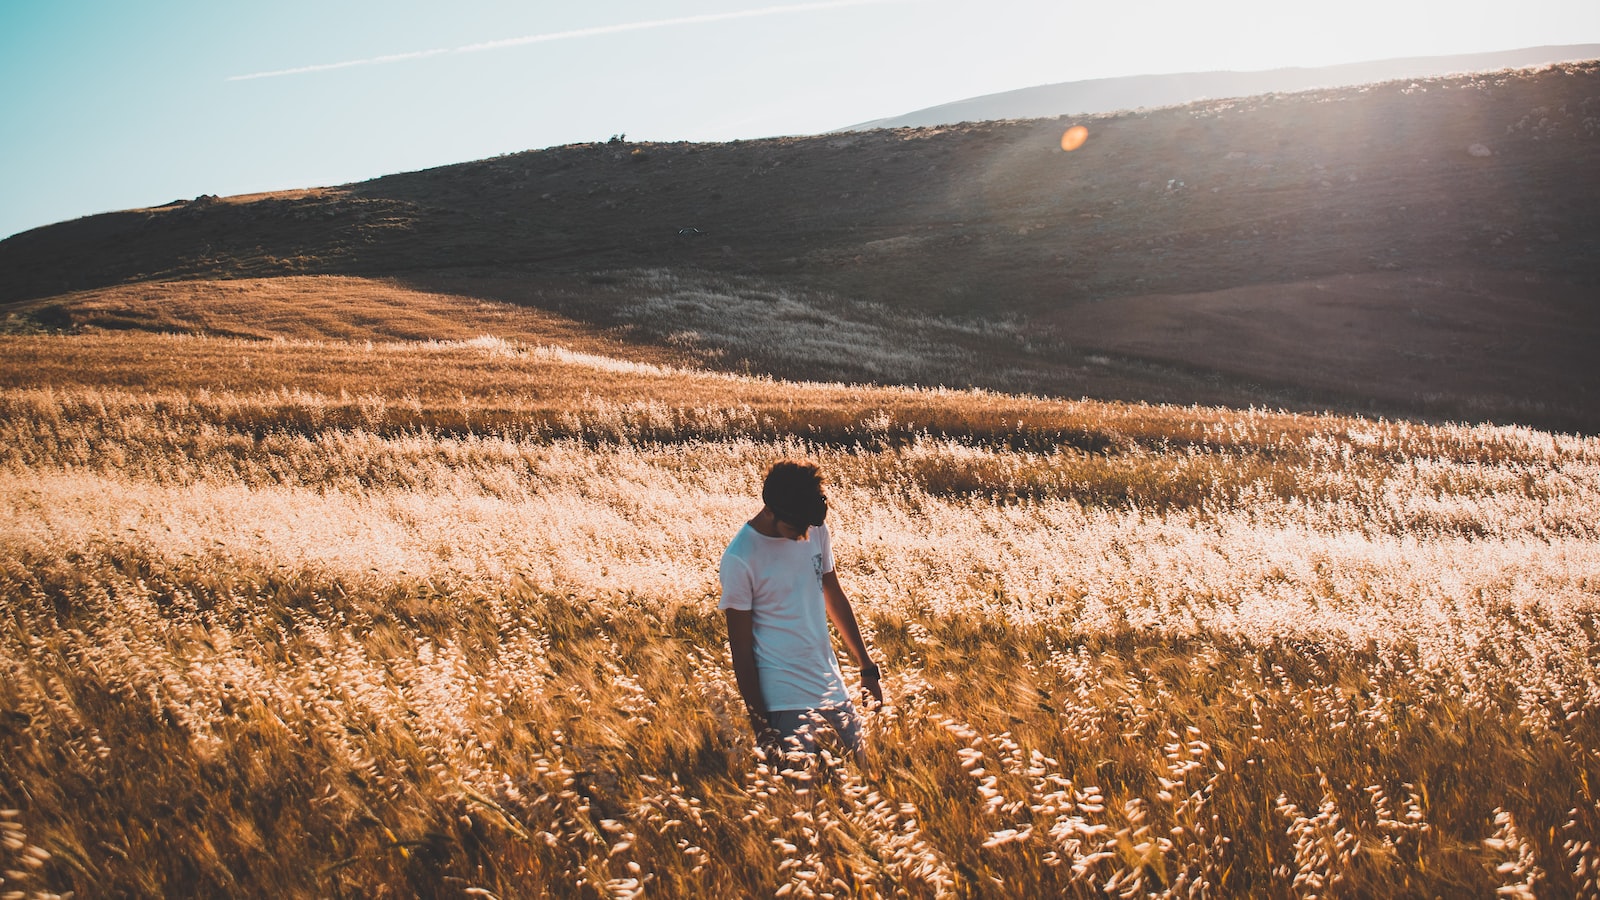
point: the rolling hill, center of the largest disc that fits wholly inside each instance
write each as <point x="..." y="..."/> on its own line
<point x="1422" y="248"/>
<point x="1098" y="95"/>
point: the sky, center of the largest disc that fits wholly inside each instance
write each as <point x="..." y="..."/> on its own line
<point x="116" y="105"/>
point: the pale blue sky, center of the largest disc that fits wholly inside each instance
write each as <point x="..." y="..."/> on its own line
<point x="112" y="105"/>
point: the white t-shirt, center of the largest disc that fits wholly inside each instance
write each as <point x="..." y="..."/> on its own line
<point x="780" y="582"/>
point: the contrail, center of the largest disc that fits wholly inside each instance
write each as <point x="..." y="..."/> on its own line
<point x="569" y="35"/>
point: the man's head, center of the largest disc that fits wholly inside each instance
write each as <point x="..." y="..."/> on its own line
<point x="793" y="491"/>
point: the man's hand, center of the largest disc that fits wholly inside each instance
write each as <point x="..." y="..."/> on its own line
<point x="870" y="676"/>
<point x="767" y="737"/>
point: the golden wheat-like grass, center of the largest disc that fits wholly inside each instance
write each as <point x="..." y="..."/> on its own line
<point x="326" y="618"/>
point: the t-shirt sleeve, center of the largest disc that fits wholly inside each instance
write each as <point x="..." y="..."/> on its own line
<point x="827" y="549"/>
<point x="737" y="588"/>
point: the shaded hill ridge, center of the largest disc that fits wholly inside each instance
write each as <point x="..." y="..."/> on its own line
<point x="1100" y="95"/>
<point x="1424" y="190"/>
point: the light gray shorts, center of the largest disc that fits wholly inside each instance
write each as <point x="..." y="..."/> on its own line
<point x="800" y="727"/>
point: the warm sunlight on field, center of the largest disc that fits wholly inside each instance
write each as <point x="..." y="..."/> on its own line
<point x="351" y="618"/>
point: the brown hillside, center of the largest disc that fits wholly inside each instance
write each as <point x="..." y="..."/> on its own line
<point x="1420" y="248"/>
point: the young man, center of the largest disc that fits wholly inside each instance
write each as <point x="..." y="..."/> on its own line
<point x="779" y="592"/>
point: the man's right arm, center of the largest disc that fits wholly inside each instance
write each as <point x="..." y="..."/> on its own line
<point x="742" y="646"/>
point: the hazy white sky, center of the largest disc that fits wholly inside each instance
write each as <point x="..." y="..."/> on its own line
<point x="112" y="105"/>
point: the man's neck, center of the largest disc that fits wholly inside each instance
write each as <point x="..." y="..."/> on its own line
<point x="766" y="523"/>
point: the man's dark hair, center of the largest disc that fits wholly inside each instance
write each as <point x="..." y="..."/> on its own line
<point x="793" y="491"/>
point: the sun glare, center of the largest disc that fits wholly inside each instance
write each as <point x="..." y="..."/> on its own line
<point x="1074" y="137"/>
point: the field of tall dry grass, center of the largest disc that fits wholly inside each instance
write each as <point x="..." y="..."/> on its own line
<point x="351" y="618"/>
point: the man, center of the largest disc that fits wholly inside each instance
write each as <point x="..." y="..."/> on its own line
<point x="779" y="591"/>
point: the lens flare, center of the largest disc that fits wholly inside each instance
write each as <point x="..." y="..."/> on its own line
<point x="1074" y="138"/>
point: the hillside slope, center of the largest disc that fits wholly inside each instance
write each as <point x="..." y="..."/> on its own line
<point x="1134" y="91"/>
<point x="1441" y="203"/>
